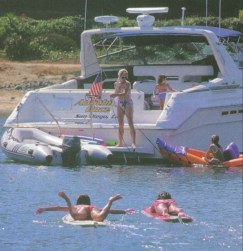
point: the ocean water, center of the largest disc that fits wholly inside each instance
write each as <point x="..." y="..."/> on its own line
<point x="212" y="197"/>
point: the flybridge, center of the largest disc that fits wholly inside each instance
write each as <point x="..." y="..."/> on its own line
<point x="144" y="20"/>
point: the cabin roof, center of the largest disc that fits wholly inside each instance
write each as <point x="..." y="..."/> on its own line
<point x="219" y="32"/>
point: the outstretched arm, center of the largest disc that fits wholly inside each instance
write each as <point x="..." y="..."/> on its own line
<point x="54" y="208"/>
<point x="101" y="215"/>
<point x="69" y="204"/>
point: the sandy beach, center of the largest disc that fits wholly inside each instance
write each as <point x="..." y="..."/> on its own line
<point x="15" y="76"/>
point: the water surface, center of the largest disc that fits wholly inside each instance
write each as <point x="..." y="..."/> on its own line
<point x="212" y="197"/>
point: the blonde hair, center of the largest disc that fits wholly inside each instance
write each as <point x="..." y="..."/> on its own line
<point x="122" y="71"/>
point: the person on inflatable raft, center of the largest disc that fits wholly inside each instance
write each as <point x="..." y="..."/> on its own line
<point x="165" y="206"/>
<point x="84" y="210"/>
<point x="215" y="153"/>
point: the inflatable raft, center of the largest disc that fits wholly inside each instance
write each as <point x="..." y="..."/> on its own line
<point x="171" y="218"/>
<point x="34" y="146"/>
<point x="182" y="155"/>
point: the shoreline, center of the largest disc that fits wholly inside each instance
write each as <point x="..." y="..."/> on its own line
<point x="17" y="78"/>
<point x="9" y="100"/>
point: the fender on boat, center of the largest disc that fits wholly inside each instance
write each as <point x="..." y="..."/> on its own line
<point x="97" y="152"/>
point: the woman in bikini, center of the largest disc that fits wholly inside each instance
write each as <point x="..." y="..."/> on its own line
<point x="124" y="107"/>
<point x="160" y="90"/>
<point x="84" y="211"/>
<point x="165" y="206"/>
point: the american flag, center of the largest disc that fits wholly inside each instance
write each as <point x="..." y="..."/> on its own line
<point x="96" y="87"/>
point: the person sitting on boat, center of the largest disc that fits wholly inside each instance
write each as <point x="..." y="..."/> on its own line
<point x="161" y="88"/>
<point x="215" y="152"/>
<point x="84" y="211"/>
<point x="165" y="206"/>
<point x="124" y="107"/>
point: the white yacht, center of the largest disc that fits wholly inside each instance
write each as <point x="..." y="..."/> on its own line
<point x="201" y="63"/>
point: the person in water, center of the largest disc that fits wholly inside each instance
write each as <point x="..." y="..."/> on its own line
<point x="124" y="107"/>
<point x="215" y="153"/>
<point x="160" y="90"/>
<point x="84" y="210"/>
<point x="165" y="206"/>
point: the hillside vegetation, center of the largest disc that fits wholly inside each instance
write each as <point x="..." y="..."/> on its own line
<point x="24" y="38"/>
<point x="45" y="9"/>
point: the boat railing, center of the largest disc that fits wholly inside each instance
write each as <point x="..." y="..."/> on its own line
<point x="70" y="84"/>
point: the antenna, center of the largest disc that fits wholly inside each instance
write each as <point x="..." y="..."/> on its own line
<point x="145" y="20"/>
<point x="206" y="12"/>
<point x="85" y="14"/>
<point x="106" y="19"/>
<point x="183" y="15"/>
<point x="148" y="10"/>
<point x="220" y="14"/>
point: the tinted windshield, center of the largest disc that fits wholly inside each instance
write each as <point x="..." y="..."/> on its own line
<point x="235" y="49"/>
<point x="149" y="49"/>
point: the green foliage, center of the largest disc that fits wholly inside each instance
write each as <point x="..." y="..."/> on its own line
<point x="228" y="23"/>
<point x="68" y="26"/>
<point x="23" y="38"/>
<point x="169" y="22"/>
<point x="241" y="15"/>
<point x="54" y="42"/>
<point x="51" y="44"/>
<point x="16" y="47"/>
<point x="44" y="9"/>
<point x="62" y="55"/>
<point x="233" y="23"/>
<point x="126" y="22"/>
<point x="15" y="37"/>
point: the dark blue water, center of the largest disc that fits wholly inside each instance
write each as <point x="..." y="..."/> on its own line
<point x="213" y="198"/>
